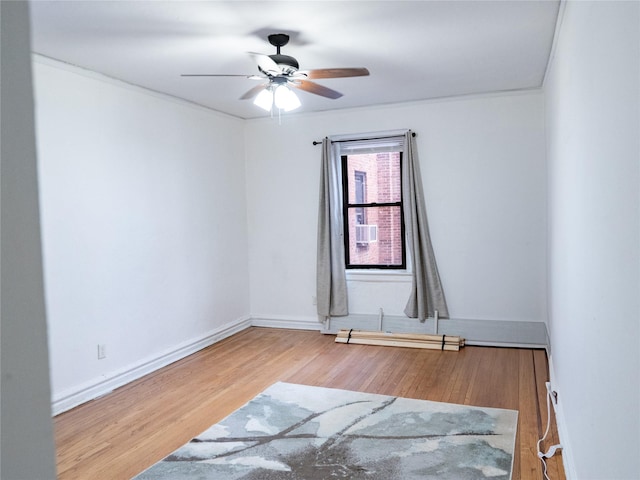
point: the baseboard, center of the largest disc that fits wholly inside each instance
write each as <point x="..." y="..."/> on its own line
<point x="93" y="390"/>
<point x="565" y="441"/>
<point x="498" y="333"/>
<point x="280" y="321"/>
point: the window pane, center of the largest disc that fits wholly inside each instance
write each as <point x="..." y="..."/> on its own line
<point x="375" y="236"/>
<point x="374" y="178"/>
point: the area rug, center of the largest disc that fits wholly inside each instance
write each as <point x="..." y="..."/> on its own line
<point x="305" y="433"/>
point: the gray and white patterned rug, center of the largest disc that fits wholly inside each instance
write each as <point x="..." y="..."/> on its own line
<point x="306" y="433"/>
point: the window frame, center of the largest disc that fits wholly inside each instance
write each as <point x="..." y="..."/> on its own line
<point x="345" y="217"/>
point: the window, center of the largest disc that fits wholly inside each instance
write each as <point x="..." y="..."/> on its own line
<point x="372" y="210"/>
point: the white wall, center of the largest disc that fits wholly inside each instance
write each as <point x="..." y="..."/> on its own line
<point x="592" y="103"/>
<point x="482" y="162"/>
<point x="144" y="224"/>
<point x="27" y="430"/>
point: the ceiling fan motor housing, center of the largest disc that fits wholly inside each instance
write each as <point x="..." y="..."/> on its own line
<point x="285" y="60"/>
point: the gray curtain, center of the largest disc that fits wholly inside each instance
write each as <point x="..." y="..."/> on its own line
<point x="426" y="290"/>
<point x="331" y="277"/>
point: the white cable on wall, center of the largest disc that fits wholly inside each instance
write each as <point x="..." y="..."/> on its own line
<point x="553" y="448"/>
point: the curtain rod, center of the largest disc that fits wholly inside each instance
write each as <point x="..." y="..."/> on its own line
<point x="315" y="142"/>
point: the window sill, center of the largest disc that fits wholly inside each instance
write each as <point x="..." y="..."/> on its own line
<point x="398" y="276"/>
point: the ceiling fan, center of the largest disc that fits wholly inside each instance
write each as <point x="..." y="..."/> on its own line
<point x="282" y="71"/>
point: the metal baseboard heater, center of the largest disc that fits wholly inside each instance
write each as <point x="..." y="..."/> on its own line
<point x="477" y="332"/>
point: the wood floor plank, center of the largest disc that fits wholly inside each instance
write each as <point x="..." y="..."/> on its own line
<point x="121" y="434"/>
<point x="528" y="419"/>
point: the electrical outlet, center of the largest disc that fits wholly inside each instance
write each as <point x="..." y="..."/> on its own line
<point x="102" y="351"/>
<point x="314" y="300"/>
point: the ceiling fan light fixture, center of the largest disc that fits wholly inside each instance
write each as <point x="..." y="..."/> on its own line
<point x="264" y="99"/>
<point x="285" y="99"/>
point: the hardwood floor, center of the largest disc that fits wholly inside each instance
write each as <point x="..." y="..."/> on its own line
<point x="123" y="433"/>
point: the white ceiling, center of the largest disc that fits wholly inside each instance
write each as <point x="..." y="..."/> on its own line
<point x="415" y="50"/>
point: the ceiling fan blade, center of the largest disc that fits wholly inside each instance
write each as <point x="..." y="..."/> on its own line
<point x="266" y="64"/>
<point x="335" y="73"/>
<point x="253" y="92"/>
<point x="315" y="88"/>
<point x="250" y="77"/>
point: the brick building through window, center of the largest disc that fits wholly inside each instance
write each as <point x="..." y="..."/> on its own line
<point x="374" y="229"/>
